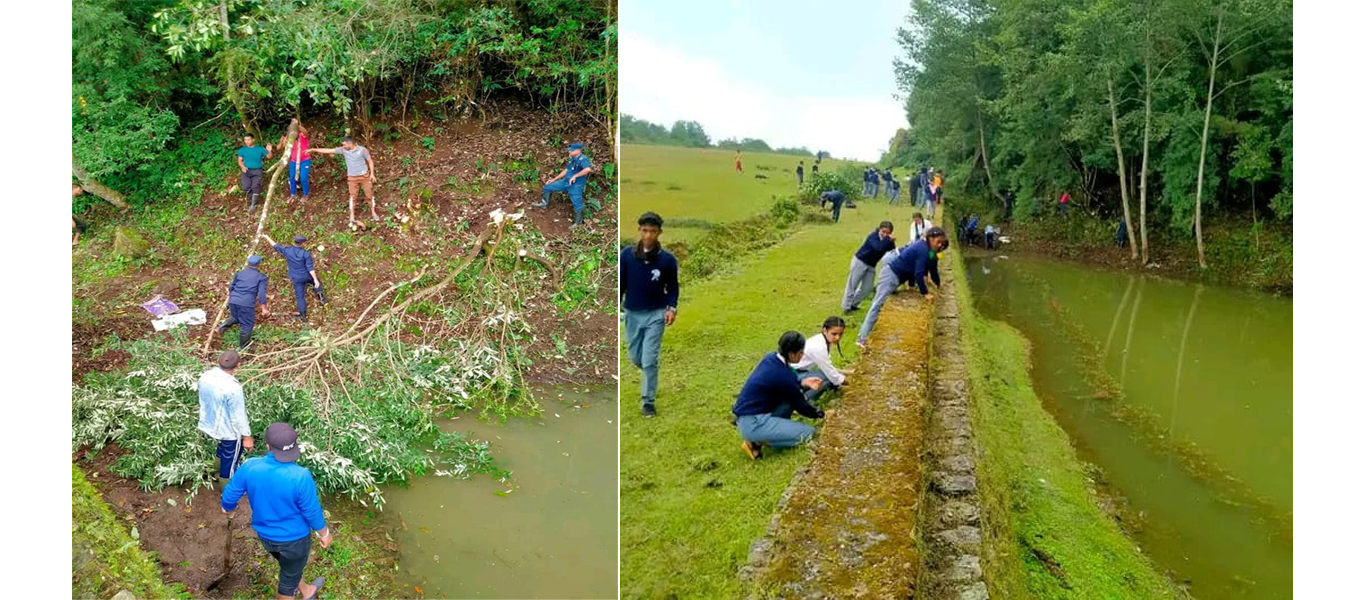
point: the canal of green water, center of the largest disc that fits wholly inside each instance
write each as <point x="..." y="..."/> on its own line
<point x="554" y="535"/>
<point x="1182" y="396"/>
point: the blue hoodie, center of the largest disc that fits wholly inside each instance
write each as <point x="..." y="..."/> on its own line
<point x="283" y="496"/>
<point x="913" y="262"/>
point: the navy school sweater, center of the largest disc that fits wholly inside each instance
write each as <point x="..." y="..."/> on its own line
<point x="873" y="248"/>
<point x="771" y="384"/>
<point x="913" y="263"/>
<point x="648" y="284"/>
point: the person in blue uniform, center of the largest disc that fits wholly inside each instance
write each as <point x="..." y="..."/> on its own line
<point x="300" y="270"/>
<point x="571" y="179"/>
<point x="248" y="294"/>
<point x="764" y="406"/>
<point x="909" y="266"/>
<point x="837" y="198"/>
<point x="649" y="290"/>
<point x="800" y="173"/>
<point x="864" y="265"/>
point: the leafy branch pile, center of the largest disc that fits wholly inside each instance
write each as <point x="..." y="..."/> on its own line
<point x="364" y="401"/>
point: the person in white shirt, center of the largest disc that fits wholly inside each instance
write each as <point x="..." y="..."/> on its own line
<point x="918" y="226"/>
<point x="815" y="362"/>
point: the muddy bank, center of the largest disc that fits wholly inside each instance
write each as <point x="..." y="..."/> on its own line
<point x="188" y="539"/>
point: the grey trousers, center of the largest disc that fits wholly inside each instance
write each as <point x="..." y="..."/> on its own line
<point x="859" y="283"/>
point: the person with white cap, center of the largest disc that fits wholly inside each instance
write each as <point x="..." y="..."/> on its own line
<point x="300" y="270"/>
<point x="578" y="167"/>
<point x="248" y="292"/>
<point x="285" y="505"/>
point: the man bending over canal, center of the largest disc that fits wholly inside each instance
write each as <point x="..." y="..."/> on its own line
<point x="649" y="288"/>
<point x="286" y="507"/>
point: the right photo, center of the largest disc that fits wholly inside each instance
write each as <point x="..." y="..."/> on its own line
<point x="956" y="299"/>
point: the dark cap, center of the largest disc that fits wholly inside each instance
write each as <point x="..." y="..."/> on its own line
<point x="300" y="239"/>
<point x="575" y="146"/>
<point x="229" y="359"/>
<point x="254" y="260"/>
<point x="283" y="442"/>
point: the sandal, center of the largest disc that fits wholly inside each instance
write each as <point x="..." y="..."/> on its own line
<point x="318" y="585"/>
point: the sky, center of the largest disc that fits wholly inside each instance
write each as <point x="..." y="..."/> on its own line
<point x="792" y="72"/>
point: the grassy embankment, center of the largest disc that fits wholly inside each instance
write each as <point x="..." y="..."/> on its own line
<point x="1045" y="534"/>
<point x="107" y="558"/>
<point x="692" y="501"/>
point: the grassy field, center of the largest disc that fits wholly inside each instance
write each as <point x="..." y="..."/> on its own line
<point x="1046" y="535"/>
<point x="693" y="188"/>
<point x="692" y="501"/>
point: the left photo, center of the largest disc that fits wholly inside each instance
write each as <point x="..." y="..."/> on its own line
<point x="344" y="320"/>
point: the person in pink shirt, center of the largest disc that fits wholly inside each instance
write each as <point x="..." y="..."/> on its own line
<point x="1064" y="205"/>
<point x="298" y="161"/>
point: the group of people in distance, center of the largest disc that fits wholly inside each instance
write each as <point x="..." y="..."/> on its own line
<point x="248" y="288"/>
<point x="794" y="376"/>
<point x="873" y="180"/>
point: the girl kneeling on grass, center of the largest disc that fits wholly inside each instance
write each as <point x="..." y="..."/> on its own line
<point x="815" y="362"/>
<point x="770" y="395"/>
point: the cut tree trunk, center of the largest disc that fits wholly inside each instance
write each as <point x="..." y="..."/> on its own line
<point x="984" y="156"/>
<point x="1204" y="139"/>
<point x="1120" y="167"/>
<point x="1148" y="124"/>
<point x="91" y="185"/>
<point x="231" y="91"/>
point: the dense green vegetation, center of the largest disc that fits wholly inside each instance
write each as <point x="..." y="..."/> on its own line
<point x="1046" y="535"/>
<point x="690" y="134"/>
<point x="148" y="73"/>
<point x="1163" y="111"/>
<point x="107" y="555"/>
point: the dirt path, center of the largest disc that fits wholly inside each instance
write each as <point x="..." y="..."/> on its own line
<point x="846" y="526"/>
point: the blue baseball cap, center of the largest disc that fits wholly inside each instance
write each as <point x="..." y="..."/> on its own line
<point x="254" y="260"/>
<point x="300" y="239"/>
<point x="576" y="146"/>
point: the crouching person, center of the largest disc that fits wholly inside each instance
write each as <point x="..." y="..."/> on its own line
<point x="770" y="395"/>
<point x="816" y="363"/>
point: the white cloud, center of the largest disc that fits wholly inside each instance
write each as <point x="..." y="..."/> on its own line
<point x="662" y="84"/>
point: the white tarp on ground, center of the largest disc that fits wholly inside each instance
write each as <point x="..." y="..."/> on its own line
<point x="191" y="316"/>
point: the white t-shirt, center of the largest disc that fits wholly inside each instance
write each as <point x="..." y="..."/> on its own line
<point x="818" y="353"/>
<point x="916" y="233"/>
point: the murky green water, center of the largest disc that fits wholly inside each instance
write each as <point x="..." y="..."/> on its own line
<point x="554" y="536"/>
<point x="1200" y="438"/>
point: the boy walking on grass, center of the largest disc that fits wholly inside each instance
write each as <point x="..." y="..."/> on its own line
<point x="649" y="289"/>
<point x="286" y="508"/>
<point x="360" y="175"/>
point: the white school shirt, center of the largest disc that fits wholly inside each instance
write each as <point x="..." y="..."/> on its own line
<point x="914" y="234"/>
<point x="818" y="353"/>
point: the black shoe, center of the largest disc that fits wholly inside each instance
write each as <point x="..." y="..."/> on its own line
<point x="851" y="309"/>
<point x="301" y="318"/>
<point x="649" y="410"/>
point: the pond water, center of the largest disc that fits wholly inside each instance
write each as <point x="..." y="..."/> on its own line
<point x="1181" y="394"/>
<point x="555" y="535"/>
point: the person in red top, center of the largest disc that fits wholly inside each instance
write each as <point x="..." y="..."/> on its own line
<point x="1064" y="205"/>
<point x="738" y="162"/>
<point x="298" y="161"/>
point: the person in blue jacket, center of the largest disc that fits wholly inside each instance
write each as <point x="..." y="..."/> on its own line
<point x="909" y="266"/>
<point x="764" y="407"/>
<point x="837" y="198"/>
<point x="863" y="268"/>
<point x="300" y="270"/>
<point x="285" y="504"/>
<point x="649" y="288"/>
<point x="571" y="179"/>
<point x="248" y="293"/>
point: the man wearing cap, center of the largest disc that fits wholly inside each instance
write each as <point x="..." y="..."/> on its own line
<point x="222" y="414"/>
<point x="578" y="167"/>
<point x="300" y="269"/>
<point x="286" y="508"/>
<point x="248" y="292"/>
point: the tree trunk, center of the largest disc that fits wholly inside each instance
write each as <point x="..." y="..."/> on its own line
<point x="1204" y="139"/>
<point x="612" y="120"/>
<point x="91" y="185"/>
<point x="1148" y="125"/>
<point x="231" y="90"/>
<point x="1120" y="166"/>
<point x="984" y="156"/>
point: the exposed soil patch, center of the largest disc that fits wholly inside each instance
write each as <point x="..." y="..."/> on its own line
<point x="189" y="540"/>
<point x="443" y="176"/>
<point x="847" y="526"/>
